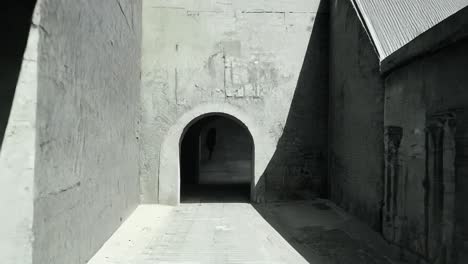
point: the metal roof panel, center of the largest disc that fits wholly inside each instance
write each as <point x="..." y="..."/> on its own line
<point x="394" y="23"/>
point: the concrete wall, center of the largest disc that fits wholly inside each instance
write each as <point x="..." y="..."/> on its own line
<point x="17" y="157"/>
<point x="86" y="169"/>
<point x="356" y="117"/>
<point x="245" y="56"/>
<point x="17" y="19"/>
<point x="417" y="94"/>
<point x="232" y="157"/>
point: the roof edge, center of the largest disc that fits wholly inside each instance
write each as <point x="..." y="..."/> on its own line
<point x="443" y="34"/>
<point x="369" y="29"/>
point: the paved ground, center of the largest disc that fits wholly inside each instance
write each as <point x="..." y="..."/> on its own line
<point x="301" y="232"/>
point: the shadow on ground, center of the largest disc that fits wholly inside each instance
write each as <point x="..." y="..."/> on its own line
<point x="323" y="233"/>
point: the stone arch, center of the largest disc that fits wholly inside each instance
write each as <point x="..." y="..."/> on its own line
<point x="169" y="165"/>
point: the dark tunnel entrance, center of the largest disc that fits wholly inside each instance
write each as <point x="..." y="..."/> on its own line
<point x="16" y="21"/>
<point x="216" y="161"/>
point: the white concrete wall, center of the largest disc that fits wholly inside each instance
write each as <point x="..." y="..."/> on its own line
<point x="17" y="162"/>
<point x="86" y="169"/>
<point x="245" y="56"/>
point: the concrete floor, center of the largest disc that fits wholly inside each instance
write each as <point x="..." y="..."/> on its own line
<point x="300" y="232"/>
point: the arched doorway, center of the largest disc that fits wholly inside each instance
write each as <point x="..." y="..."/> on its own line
<point x="167" y="179"/>
<point x="216" y="160"/>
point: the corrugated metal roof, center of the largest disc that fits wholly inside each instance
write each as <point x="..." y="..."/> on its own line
<point x="394" y="23"/>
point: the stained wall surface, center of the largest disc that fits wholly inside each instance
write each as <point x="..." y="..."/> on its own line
<point x="250" y="56"/>
<point x="356" y="117"/>
<point x="416" y="95"/>
<point x="85" y="182"/>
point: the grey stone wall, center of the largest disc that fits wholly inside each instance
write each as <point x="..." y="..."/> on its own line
<point x="246" y="55"/>
<point x="428" y="101"/>
<point x="86" y="174"/>
<point x="356" y="117"/>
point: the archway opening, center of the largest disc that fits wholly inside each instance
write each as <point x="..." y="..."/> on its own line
<point x="16" y="21"/>
<point x="216" y="161"/>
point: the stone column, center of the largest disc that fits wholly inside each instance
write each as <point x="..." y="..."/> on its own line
<point x="392" y="140"/>
<point x="440" y="187"/>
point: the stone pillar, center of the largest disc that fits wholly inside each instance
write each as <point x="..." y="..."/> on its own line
<point x="392" y="140"/>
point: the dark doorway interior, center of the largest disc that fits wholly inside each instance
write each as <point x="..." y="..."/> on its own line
<point x="15" y="21"/>
<point x="216" y="161"/>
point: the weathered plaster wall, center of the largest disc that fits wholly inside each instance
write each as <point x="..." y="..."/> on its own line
<point x="17" y="162"/>
<point x="356" y="117"/>
<point x="245" y="55"/>
<point x="86" y="174"/>
<point x="432" y="86"/>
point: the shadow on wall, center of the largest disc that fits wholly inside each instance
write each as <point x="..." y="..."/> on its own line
<point x="298" y="167"/>
<point x="16" y="21"/>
